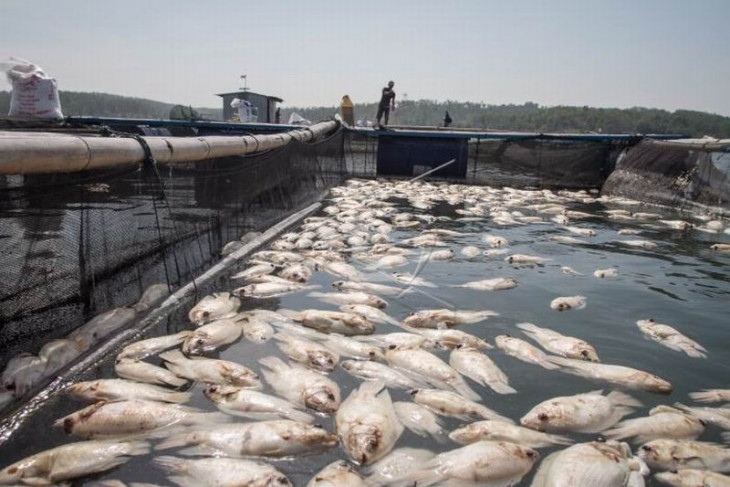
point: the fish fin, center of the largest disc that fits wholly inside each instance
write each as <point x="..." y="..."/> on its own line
<point x="707" y="395"/>
<point x="173" y="356"/>
<point x="273" y="363"/>
<point x="170" y="463"/>
<point x="173" y="441"/>
<point x="624" y="429"/>
<point x="135" y="448"/>
<point x="487" y="413"/>
<point x="501" y="388"/>
<point x="619" y="398"/>
<point x="561" y="440"/>
<point x="463" y="388"/>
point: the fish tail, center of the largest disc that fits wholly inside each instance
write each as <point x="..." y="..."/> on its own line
<point x="273" y="363"/>
<point x="529" y="329"/>
<point x="173" y="441"/>
<point x="619" y="398"/>
<point x="171" y="464"/>
<point x="487" y="413"/>
<point x="135" y="448"/>
<point x="560" y="440"/>
<point x="624" y="429"/>
<point x="502" y="388"/>
<point x="463" y="388"/>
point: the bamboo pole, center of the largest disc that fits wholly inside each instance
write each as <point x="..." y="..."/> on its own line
<point x="33" y="153"/>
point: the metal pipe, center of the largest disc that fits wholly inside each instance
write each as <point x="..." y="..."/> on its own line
<point x="29" y="153"/>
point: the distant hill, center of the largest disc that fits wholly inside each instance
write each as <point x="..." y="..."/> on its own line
<point x="106" y="105"/>
<point x="534" y="118"/>
<point x="527" y="117"/>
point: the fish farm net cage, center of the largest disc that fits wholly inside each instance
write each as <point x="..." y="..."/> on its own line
<point x="531" y="161"/>
<point x="75" y="245"/>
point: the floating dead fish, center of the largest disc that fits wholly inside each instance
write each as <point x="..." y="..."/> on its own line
<point x="213" y="307"/>
<point x="309" y="353"/>
<point x="427" y="367"/>
<point x="270" y="289"/>
<point x="367" y="423"/>
<point x="153" y="346"/>
<point x="412" y="280"/>
<point x="711" y="395"/>
<point x="566" y="240"/>
<point x="662" y="422"/>
<point x="450" y="338"/>
<point x="644" y="244"/>
<point x="367" y="287"/>
<point x="420" y="420"/>
<point x="153" y="294"/>
<point x="496" y="284"/>
<point x="671" y="338"/>
<point x="301" y="386"/>
<point x="720" y="247"/>
<point x="470" y="251"/>
<point x="137" y="370"/>
<point x="605" y="273"/>
<point x="222" y="472"/>
<point x="564" y="303"/>
<point x="354" y="297"/>
<point x="495" y="241"/>
<point x="489" y="430"/>
<point x="212" y="336"/>
<point x="394" y="467"/>
<point x="372" y="314"/>
<point x="120" y="390"/>
<point x="559" y="344"/>
<point x="585" y="232"/>
<point x="455" y="405"/>
<point x="670" y="454"/>
<point x="333" y="321"/>
<point x="337" y="474"/>
<point x="614" y="374"/>
<point x="480" y="368"/>
<point x="210" y="370"/>
<point x="570" y="271"/>
<point x="389" y="376"/>
<point x="582" y="413"/>
<point x="253" y="404"/>
<point x="525" y="259"/>
<point x="693" y="478"/>
<point x="71" y="461"/>
<point x="522" y="350"/>
<point x="445" y="318"/>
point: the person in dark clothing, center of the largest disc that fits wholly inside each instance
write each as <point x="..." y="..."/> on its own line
<point x="447" y="119"/>
<point x="387" y="103"/>
<point x="277" y="115"/>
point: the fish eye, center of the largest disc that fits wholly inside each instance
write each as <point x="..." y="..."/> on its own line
<point x="543" y="417"/>
<point x="371" y="354"/>
<point x="530" y="453"/>
<point x="584" y="353"/>
<point x="330" y="396"/>
<point x="646" y="448"/>
<point x="413" y="392"/>
<point x="391" y="347"/>
<point x="206" y="314"/>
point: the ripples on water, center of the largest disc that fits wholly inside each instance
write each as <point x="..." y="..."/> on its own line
<point x="681" y="282"/>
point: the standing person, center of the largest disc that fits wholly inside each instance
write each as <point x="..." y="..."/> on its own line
<point x="387" y="103"/>
<point x="447" y="119"/>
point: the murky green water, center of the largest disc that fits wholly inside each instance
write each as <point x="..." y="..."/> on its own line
<point x="681" y="283"/>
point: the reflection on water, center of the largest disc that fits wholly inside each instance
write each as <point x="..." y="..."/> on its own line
<point x="680" y="282"/>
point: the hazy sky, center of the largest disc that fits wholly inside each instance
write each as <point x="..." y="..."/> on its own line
<point x="657" y="53"/>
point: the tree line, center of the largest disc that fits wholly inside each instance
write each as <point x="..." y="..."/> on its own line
<point x="528" y="117"/>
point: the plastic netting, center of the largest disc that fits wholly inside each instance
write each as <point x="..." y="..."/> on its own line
<point x="75" y="245"/>
<point x="519" y="163"/>
<point x="672" y="174"/>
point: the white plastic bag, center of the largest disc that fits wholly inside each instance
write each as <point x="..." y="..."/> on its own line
<point x="296" y="119"/>
<point x="34" y="93"/>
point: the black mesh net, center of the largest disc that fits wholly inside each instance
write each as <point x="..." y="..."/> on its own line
<point x="672" y="174"/>
<point x="75" y="245"/>
<point x="528" y="162"/>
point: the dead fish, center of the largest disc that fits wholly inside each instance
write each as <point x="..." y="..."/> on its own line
<point x="366" y="287"/>
<point x="333" y="321"/>
<point x="494" y="252"/>
<point x="211" y="370"/>
<point x="522" y="350"/>
<point x="604" y="273"/>
<point x="585" y="232"/>
<point x="495" y="241"/>
<point x="720" y="247"/>
<point x="273" y="438"/>
<point x="253" y="404"/>
<point x="150" y="296"/>
<point x="390" y="262"/>
<point x="454" y="405"/>
<point x="614" y="374"/>
<point x="351" y="347"/>
<point x="450" y="338"/>
<point x="367" y="423"/>
<point x="267" y="290"/>
<point x="671" y="338"/>
<point x="420" y="420"/>
<point x="718" y="416"/>
<point x="277" y="257"/>
<point x="221" y="472"/>
<point x="296" y="273"/>
<point x="71" y="461"/>
<point x="644" y="244"/>
<point x="137" y="370"/>
<point x="120" y="390"/>
<point x="628" y="231"/>
<point x="525" y="259"/>
<point x="301" y="386"/>
<point x="594" y="464"/>
<point x="102" y="325"/>
<point x="392" y="378"/>
<point x="213" y="307"/>
<point x="570" y="270"/>
<point x="130" y="417"/>
<point x="412" y="280"/>
<point x="354" y="297"/>
<point x="693" y="478"/>
<point x="337" y="474"/>
<point x="563" y="239"/>
<point x="212" y="336"/>
<point x="339" y="269"/>
<point x="372" y="314"/>
<point x="711" y="395"/>
<point x="582" y="413"/>
<point x="662" y="422"/>
<point x="445" y="318"/>
<point x="59" y="353"/>
<point x="677" y="224"/>
<point x="447" y="254"/>
<point x="670" y="454"/>
<point x="489" y="430"/>
<point x="429" y="368"/>
<point x="564" y="303"/>
<point x="153" y="346"/>
<point x="483" y="462"/>
<point x="395" y="466"/>
<point x="496" y="284"/>
<point x="480" y="368"/>
<point x="309" y="353"/>
<point x="255" y="270"/>
<point x="470" y="251"/>
<point x="559" y="344"/>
